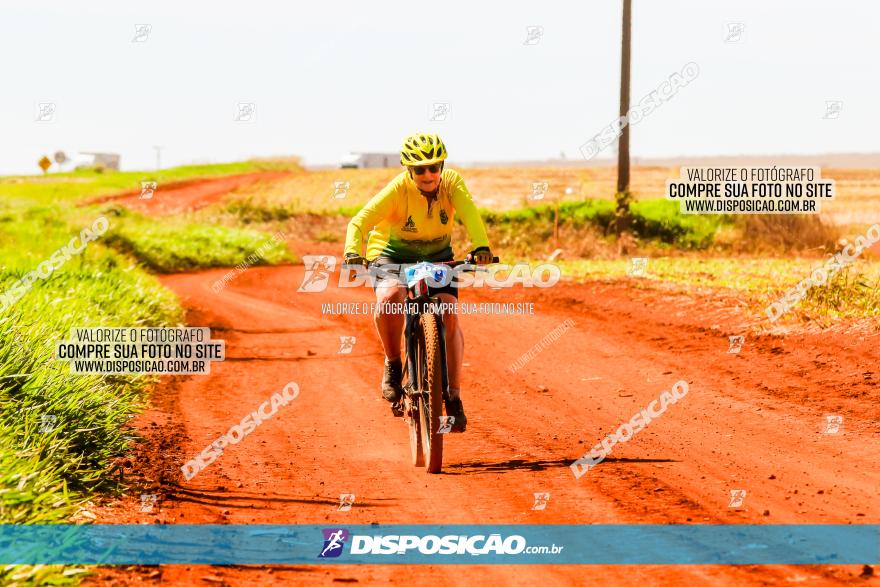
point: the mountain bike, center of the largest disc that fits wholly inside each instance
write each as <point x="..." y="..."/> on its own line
<point x="426" y="380"/>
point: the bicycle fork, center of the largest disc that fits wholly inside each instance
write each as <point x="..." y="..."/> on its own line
<point x="411" y="325"/>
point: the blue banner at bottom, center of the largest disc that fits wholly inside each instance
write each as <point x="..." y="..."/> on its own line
<point x="599" y="544"/>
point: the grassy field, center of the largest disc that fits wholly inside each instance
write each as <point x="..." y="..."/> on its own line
<point x="62" y="435"/>
<point x="180" y="244"/>
<point x="506" y="188"/>
<point x="496" y="188"/>
<point x="747" y="254"/>
<point x="520" y="221"/>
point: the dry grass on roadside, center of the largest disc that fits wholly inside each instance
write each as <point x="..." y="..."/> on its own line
<point x="783" y="233"/>
<point x="504" y="188"/>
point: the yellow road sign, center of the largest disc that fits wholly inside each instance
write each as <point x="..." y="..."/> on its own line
<point x="44" y="163"/>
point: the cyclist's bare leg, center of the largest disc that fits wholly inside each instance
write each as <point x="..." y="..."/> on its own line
<point x="389" y="324"/>
<point x="454" y="343"/>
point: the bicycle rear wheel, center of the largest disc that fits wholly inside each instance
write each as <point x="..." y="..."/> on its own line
<point x="431" y="385"/>
<point x="411" y="415"/>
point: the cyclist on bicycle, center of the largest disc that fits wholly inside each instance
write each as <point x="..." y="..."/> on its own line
<point x="409" y="221"/>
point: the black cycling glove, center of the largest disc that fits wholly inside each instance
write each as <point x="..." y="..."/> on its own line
<point x="354" y="259"/>
<point x="480" y="256"/>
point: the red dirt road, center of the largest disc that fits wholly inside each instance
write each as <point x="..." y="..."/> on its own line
<point x="751" y="421"/>
<point x="184" y="196"/>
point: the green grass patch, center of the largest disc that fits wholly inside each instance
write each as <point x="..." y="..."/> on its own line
<point x="582" y="223"/>
<point x="651" y="220"/>
<point x="852" y="292"/>
<point x="61" y="435"/>
<point x="250" y="211"/>
<point x="89" y="411"/>
<point x="661" y="220"/>
<point x="597" y="212"/>
<point x="175" y="245"/>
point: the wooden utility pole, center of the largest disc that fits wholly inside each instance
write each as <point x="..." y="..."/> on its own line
<point x="623" y="144"/>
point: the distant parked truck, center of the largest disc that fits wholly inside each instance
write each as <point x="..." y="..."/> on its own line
<point x="103" y="160"/>
<point x="365" y="160"/>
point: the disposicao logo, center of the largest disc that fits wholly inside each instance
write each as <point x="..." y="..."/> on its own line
<point x="334" y="540"/>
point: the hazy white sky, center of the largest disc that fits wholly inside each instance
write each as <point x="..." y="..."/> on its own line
<point x="335" y="76"/>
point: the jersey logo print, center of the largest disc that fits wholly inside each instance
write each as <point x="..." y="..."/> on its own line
<point x="410" y="226"/>
<point x="443" y="217"/>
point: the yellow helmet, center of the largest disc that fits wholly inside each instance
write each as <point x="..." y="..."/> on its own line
<point x="422" y="149"/>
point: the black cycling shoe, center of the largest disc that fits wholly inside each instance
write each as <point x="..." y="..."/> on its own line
<point x="391" y="388"/>
<point x="455" y="409"/>
<point x="397" y="408"/>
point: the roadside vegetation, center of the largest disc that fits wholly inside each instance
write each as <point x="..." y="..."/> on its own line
<point x="177" y="244"/>
<point x="756" y="256"/>
<point x="853" y="293"/>
<point x="753" y="258"/>
<point x="63" y="436"/>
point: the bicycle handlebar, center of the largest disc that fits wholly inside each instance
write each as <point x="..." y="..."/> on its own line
<point x="457" y="263"/>
<point x="449" y="263"/>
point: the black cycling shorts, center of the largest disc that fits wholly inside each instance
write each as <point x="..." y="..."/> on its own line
<point x="383" y="274"/>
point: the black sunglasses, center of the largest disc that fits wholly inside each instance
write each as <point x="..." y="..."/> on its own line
<point x="433" y="168"/>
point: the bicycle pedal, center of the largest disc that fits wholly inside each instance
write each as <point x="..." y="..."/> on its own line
<point x="397" y="409"/>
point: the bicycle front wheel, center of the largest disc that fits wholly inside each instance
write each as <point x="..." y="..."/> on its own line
<point x="430" y="362"/>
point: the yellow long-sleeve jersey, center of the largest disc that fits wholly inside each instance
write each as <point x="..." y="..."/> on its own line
<point x="398" y="221"/>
